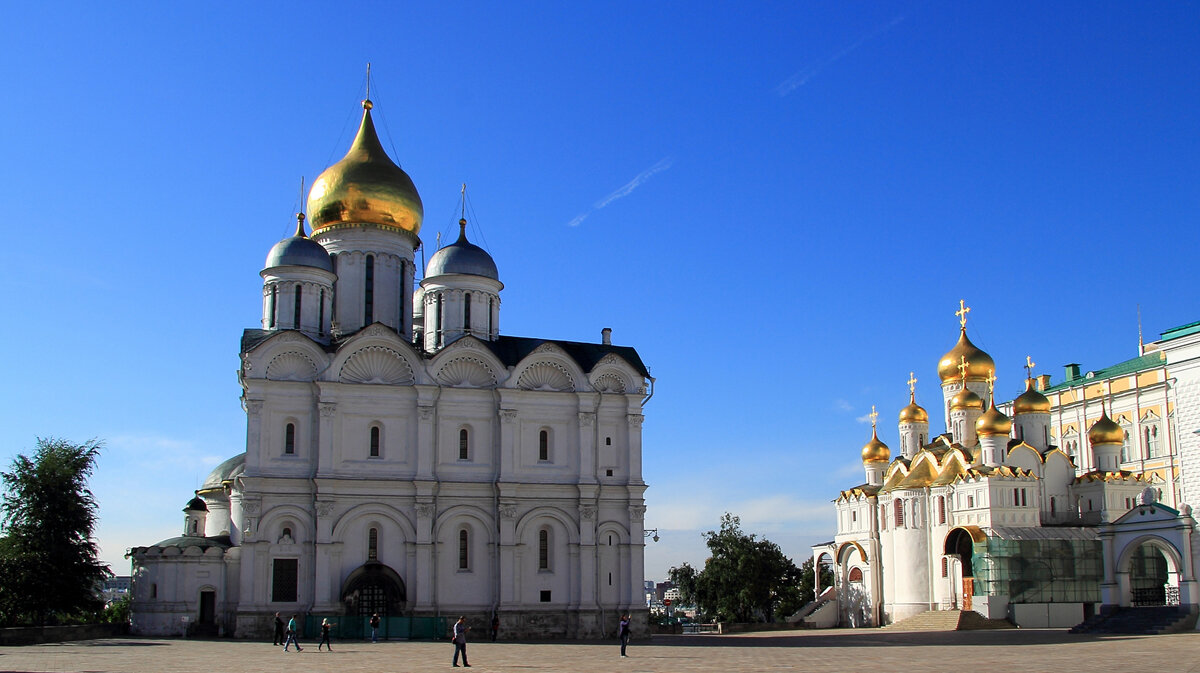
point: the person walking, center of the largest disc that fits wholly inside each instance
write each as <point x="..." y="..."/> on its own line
<point x="460" y="641"/>
<point x="495" y="627"/>
<point x="278" y="630"/>
<point x="291" y="635"/>
<point x="375" y="627"/>
<point x="624" y="634"/>
<point x="326" y="625"/>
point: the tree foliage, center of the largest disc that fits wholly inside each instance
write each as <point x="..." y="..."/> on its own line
<point x="48" y="558"/>
<point x="806" y="581"/>
<point x="744" y="579"/>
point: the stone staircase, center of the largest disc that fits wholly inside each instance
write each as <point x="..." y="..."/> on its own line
<point x="1151" y="620"/>
<point x="948" y="620"/>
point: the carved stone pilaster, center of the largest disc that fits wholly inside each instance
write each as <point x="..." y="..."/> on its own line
<point x="508" y="415"/>
<point x="325" y="507"/>
<point x="425" y="411"/>
<point x="251" y="506"/>
<point x="637" y="512"/>
<point x="587" y="512"/>
<point x="328" y="409"/>
<point x="635" y="420"/>
<point x="424" y="509"/>
<point x="587" y="419"/>
<point x="508" y="511"/>
<point x="253" y="407"/>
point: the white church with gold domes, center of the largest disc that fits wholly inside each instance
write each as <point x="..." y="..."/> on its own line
<point x="991" y="516"/>
<point x="403" y="456"/>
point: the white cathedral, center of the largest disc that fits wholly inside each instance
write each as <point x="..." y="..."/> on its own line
<point x="992" y="516"/>
<point x="403" y="457"/>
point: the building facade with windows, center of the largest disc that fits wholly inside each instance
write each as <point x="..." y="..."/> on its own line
<point x="403" y="456"/>
<point x="1067" y="500"/>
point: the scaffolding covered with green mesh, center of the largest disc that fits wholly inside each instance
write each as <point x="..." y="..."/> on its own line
<point x="1066" y="568"/>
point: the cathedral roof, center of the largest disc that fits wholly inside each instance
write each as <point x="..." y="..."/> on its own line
<point x="299" y="250"/>
<point x="979" y="364"/>
<point x="1113" y="477"/>
<point x="867" y="490"/>
<point x="510" y="350"/>
<point x="227" y="470"/>
<point x="185" y="541"/>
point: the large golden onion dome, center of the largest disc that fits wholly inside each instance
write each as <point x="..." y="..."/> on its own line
<point x="365" y="187"/>
<point x="993" y="422"/>
<point x="979" y="364"/>
<point x="966" y="399"/>
<point x="1105" y="431"/>
<point x="1031" y="401"/>
<point x="876" y="451"/>
<point x="913" y="413"/>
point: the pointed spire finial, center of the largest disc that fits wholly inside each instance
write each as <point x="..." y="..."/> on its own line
<point x="367" y="104"/>
<point x="874" y="415"/>
<point x="300" y="215"/>
<point x="962" y="312"/>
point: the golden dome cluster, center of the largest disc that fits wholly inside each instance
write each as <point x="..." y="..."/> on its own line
<point x="1105" y="431"/>
<point x="365" y="187"/>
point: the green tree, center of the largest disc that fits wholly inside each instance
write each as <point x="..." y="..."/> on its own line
<point x="47" y="553"/>
<point x="684" y="579"/>
<point x="806" y="581"/>
<point x="745" y="578"/>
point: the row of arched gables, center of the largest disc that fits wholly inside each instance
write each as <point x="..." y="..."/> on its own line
<point x="377" y="355"/>
<point x="293" y="524"/>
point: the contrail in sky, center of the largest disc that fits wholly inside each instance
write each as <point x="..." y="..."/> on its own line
<point x="801" y="78"/>
<point x="633" y="184"/>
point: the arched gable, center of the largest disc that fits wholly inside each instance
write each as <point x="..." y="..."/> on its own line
<point x="1024" y="456"/>
<point x="851" y="546"/>
<point x="541" y="514"/>
<point x="613" y="374"/>
<point x="286" y="356"/>
<point x="1174" y="558"/>
<point x="467" y="363"/>
<point x="369" y="510"/>
<point x="376" y="355"/>
<point x="547" y="368"/>
<point x="614" y="527"/>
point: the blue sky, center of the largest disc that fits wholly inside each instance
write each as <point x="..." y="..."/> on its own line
<point x="778" y="204"/>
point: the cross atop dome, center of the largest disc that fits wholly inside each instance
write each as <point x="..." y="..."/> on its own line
<point x="1029" y="365"/>
<point x="912" y="383"/>
<point x="874" y="415"/>
<point x="962" y="312"/>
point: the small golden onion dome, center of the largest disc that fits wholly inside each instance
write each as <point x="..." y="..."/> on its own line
<point x="1105" y="431"/>
<point x="1031" y="401"/>
<point x="979" y="364"/>
<point x="993" y="423"/>
<point x="966" y="399"/>
<point x="365" y="187"/>
<point x="876" y="451"/>
<point x="913" y="413"/>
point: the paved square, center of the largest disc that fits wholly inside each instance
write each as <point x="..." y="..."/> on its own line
<point x="839" y="650"/>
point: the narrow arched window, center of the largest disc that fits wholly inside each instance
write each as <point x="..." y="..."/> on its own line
<point x="373" y="544"/>
<point x="543" y="549"/>
<point x="289" y="438"/>
<point x="467" y="312"/>
<point x="544" y="445"/>
<point x="296" y="308"/>
<point x="899" y="512"/>
<point x="464" y="558"/>
<point x="941" y="509"/>
<point x="271" y="306"/>
<point x="374" y="441"/>
<point x="945" y="567"/>
<point x="491" y="309"/>
<point x="321" y="313"/>
<point x="369" y="291"/>
<point x="437" y="319"/>
<point x="403" y="293"/>
<point x="464" y="444"/>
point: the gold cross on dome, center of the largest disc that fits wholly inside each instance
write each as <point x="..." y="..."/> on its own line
<point x="962" y="368"/>
<point x="991" y="379"/>
<point x="962" y="312"/>
<point x="912" y="383"/>
<point x="873" y="416"/>
<point x="1029" y="365"/>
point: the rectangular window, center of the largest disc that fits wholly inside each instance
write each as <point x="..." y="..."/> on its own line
<point x="289" y="439"/>
<point x="941" y="509"/>
<point x="545" y="598"/>
<point x="1024" y="502"/>
<point x="1016" y="497"/>
<point x="970" y="501"/>
<point x="283" y="580"/>
<point x="463" y="559"/>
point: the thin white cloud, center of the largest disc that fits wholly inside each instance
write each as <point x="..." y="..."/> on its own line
<point x="842" y="405"/>
<point x="865" y="418"/>
<point x="801" y="78"/>
<point x="624" y="191"/>
<point x="635" y="183"/>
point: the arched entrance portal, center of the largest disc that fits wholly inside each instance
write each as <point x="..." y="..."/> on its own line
<point x="374" y="588"/>
<point x="960" y="548"/>
<point x="1153" y="576"/>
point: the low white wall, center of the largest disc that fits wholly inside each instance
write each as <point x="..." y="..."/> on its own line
<point x="1047" y="615"/>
